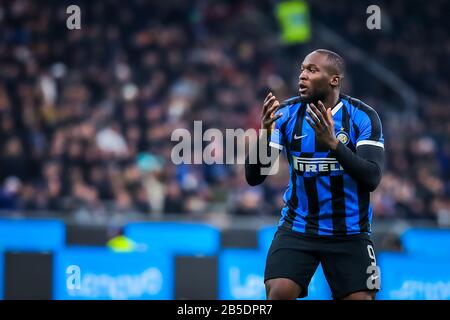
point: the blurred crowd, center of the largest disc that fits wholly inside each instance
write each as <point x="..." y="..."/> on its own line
<point x="86" y="116"/>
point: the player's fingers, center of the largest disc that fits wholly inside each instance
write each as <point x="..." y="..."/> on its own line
<point x="272" y="120"/>
<point x="311" y="123"/>
<point x="267" y="104"/>
<point x="268" y="97"/>
<point x="270" y="101"/>
<point x="319" y="114"/>
<point x="315" y="114"/>
<point x="270" y="112"/>
<point x="321" y="108"/>
<point x="330" y="117"/>
<point x="273" y="108"/>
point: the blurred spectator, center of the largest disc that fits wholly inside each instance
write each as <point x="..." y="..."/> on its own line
<point x="12" y="160"/>
<point x="9" y="193"/>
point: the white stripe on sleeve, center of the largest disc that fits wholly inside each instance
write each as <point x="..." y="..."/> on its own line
<point x="276" y="145"/>
<point x="370" y="143"/>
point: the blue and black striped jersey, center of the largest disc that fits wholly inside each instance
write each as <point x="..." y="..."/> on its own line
<point x="321" y="197"/>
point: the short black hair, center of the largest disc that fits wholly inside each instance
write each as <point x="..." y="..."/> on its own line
<point x="336" y="60"/>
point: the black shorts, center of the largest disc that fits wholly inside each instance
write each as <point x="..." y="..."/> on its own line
<point x="348" y="262"/>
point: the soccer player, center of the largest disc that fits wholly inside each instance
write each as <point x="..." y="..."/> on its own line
<point x="335" y="148"/>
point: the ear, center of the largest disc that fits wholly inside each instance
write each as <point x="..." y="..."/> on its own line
<point x="335" y="80"/>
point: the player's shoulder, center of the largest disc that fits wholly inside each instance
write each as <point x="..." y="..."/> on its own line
<point x="358" y="108"/>
<point x="291" y="101"/>
<point x="287" y="106"/>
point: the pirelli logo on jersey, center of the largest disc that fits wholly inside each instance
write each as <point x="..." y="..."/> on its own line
<point x="316" y="165"/>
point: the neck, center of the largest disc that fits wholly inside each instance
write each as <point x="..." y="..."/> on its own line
<point x="331" y="99"/>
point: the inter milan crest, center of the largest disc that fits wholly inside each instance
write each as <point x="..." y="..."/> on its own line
<point x="342" y="136"/>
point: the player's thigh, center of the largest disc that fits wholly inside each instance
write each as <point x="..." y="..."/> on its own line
<point x="282" y="289"/>
<point x="289" y="258"/>
<point x="350" y="267"/>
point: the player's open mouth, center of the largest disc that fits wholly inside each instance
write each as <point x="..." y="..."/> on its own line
<point x="302" y="88"/>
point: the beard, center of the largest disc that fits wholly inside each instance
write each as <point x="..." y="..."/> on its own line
<point x="312" y="98"/>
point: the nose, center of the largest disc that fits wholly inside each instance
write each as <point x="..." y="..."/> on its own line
<point x="302" y="76"/>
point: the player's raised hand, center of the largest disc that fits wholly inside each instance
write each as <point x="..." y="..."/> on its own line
<point x="321" y="120"/>
<point x="268" y="117"/>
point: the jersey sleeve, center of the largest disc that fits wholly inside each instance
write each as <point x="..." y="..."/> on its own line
<point x="277" y="137"/>
<point x="369" y="127"/>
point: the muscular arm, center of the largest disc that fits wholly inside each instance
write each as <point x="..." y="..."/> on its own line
<point x="365" y="166"/>
<point x="253" y="171"/>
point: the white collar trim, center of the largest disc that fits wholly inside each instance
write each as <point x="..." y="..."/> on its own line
<point x="336" y="108"/>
